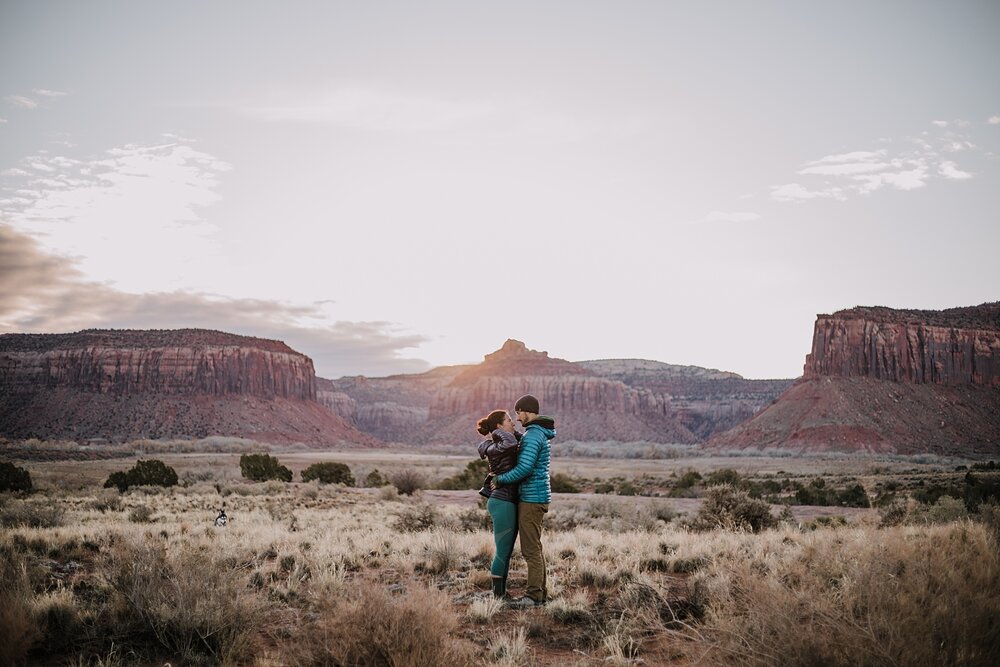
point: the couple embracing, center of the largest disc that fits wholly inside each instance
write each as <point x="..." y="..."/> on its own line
<point x="519" y="491"/>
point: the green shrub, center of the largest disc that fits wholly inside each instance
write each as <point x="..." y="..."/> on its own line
<point x="723" y="476"/>
<point x="563" y="483"/>
<point x="853" y="496"/>
<point x="375" y="480"/>
<point x="13" y="478"/>
<point x="263" y="467"/>
<point x="329" y="472"/>
<point x="470" y="478"/>
<point x="627" y="488"/>
<point x="144" y="473"/>
<point x="688" y="479"/>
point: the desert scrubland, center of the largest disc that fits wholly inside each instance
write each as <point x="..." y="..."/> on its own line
<point x="649" y="572"/>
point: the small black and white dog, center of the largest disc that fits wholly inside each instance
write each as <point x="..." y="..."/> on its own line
<point x="222" y="520"/>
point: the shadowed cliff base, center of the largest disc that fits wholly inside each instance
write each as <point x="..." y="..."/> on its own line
<point x="878" y="416"/>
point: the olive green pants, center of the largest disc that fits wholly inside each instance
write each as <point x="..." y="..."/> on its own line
<point x="529" y="526"/>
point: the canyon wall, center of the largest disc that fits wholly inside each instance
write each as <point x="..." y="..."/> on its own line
<point x="891" y="381"/>
<point x="185" y="362"/>
<point x="123" y="384"/>
<point x="442" y="405"/>
<point x="955" y="347"/>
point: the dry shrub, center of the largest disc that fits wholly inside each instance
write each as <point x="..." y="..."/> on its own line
<point x="729" y="508"/>
<point x="188" y="601"/>
<point x="58" y="618"/>
<point x="483" y="609"/>
<point x="423" y="516"/>
<point x="408" y="481"/>
<point x="609" y="516"/>
<point x="363" y="624"/>
<point x="141" y="514"/>
<point x="509" y="648"/>
<point x="442" y="554"/>
<point x="18" y="630"/>
<point x="31" y="514"/>
<point x="388" y="493"/>
<point x="107" y="500"/>
<point x="570" y="610"/>
<point x="901" y="597"/>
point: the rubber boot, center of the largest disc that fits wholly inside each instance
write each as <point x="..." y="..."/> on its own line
<point x="499" y="586"/>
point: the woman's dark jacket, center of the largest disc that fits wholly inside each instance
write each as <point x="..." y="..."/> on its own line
<point x="501" y="451"/>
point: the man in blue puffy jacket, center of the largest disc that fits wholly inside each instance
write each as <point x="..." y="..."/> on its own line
<point x="532" y="471"/>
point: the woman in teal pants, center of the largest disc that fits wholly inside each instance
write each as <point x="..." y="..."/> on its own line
<point x="500" y="449"/>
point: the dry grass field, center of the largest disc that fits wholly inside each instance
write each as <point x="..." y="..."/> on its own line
<point x="308" y="574"/>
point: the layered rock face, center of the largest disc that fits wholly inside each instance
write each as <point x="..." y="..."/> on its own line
<point x="706" y="401"/>
<point x="890" y="381"/>
<point x="391" y="408"/>
<point x="190" y="383"/>
<point x="954" y="347"/>
<point x="442" y="406"/>
<point x="187" y="361"/>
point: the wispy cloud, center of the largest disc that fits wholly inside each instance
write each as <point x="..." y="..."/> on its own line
<point x="35" y="100"/>
<point x="21" y="101"/>
<point x="994" y="120"/>
<point x="372" y="109"/>
<point x="42" y="292"/>
<point x="792" y="192"/>
<point x="911" y="166"/>
<point x="132" y="211"/>
<point x="377" y="109"/>
<point x="2" y="121"/>
<point x="735" y="216"/>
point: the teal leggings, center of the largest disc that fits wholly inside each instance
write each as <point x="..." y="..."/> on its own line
<point x="504" y="515"/>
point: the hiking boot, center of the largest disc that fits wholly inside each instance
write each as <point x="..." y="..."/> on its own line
<point x="499" y="585"/>
<point x="525" y="603"/>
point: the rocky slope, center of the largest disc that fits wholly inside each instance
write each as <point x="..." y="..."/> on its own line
<point x="886" y="380"/>
<point x="122" y="384"/>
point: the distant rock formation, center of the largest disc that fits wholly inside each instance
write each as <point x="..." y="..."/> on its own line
<point x="591" y="401"/>
<point x="902" y="381"/>
<point x="706" y="401"/>
<point x="124" y="384"/>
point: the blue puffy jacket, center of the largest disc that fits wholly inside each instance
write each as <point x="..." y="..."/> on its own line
<point x="532" y="468"/>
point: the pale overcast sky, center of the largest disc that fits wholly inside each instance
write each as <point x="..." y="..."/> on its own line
<point x="390" y="186"/>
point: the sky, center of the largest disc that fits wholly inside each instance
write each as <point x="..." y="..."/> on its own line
<point x="393" y="186"/>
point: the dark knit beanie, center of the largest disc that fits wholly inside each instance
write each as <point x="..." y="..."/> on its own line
<point x="528" y="403"/>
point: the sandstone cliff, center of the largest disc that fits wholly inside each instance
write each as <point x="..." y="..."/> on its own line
<point x="960" y="346"/>
<point x="441" y="406"/>
<point x="129" y="384"/>
<point x="885" y="380"/>
<point x="187" y="361"/>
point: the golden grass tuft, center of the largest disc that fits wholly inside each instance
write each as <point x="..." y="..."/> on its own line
<point x="366" y="625"/>
<point x="911" y="597"/>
